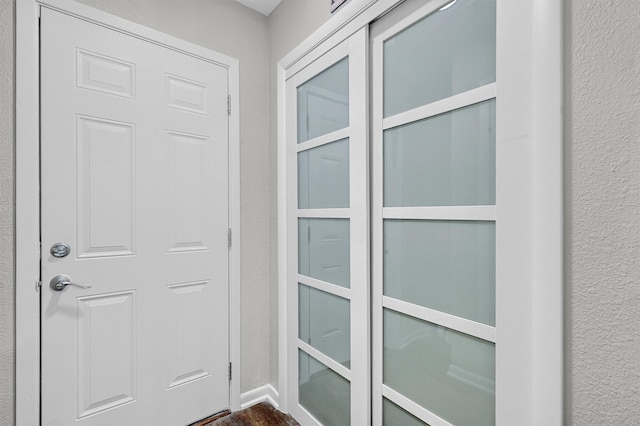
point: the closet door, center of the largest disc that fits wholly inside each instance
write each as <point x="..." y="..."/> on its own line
<point x="327" y="231"/>
<point x="434" y="214"/>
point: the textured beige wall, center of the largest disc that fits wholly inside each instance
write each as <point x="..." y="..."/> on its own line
<point x="602" y="202"/>
<point x="289" y="24"/>
<point x="7" y="208"/>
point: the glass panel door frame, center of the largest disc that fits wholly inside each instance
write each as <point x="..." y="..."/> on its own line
<point x="357" y="373"/>
<point x="386" y="28"/>
<point x="529" y="191"/>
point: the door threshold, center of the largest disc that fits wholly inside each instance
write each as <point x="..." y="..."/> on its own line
<point x="207" y="420"/>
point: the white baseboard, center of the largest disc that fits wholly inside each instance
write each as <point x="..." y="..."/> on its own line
<point x="260" y="394"/>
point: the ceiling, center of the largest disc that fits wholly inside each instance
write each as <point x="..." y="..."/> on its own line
<point x="263" y="6"/>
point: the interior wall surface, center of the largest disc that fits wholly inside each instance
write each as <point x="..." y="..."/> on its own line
<point x="602" y="212"/>
<point x="602" y="186"/>
<point x="289" y="24"/>
<point x="7" y="211"/>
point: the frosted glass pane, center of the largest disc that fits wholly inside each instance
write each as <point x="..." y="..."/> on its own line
<point x="323" y="250"/>
<point x="446" y="53"/>
<point x="323" y="176"/>
<point x="446" y="160"/>
<point x="324" y="393"/>
<point x="323" y="102"/>
<point x="449" y="266"/>
<point x="440" y="369"/>
<point x="324" y="323"/>
<point x="392" y="415"/>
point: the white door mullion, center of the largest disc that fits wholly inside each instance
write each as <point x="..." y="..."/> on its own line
<point x="359" y="167"/>
<point x="292" y="245"/>
<point x="323" y="140"/>
<point x="461" y="100"/>
<point x="327" y="361"/>
<point x="343" y="292"/>
<point x="482" y="213"/>
<point x="413" y="408"/>
<point x="377" y="257"/>
<point x="472" y="328"/>
<point x="325" y="213"/>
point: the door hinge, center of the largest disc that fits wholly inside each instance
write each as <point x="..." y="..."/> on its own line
<point x="230" y="371"/>
<point x="39" y="282"/>
<point x="229" y="237"/>
<point x="229" y="104"/>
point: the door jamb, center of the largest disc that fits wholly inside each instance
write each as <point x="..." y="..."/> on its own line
<point x="27" y="218"/>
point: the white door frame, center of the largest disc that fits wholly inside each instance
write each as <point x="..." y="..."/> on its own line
<point x="529" y="126"/>
<point x="27" y="349"/>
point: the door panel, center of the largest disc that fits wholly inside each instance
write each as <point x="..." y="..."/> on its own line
<point x="104" y="74"/>
<point x="328" y="286"/>
<point x="440" y="369"/>
<point x="456" y="149"/>
<point x="330" y="334"/>
<point x="325" y="394"/>
<point x="323" y="102"/>
<point x="135" y="180"/>
<point x="434" y="213"/>
<point x="323" y="251"/>
<point x="321" y="174"/>
<point x="451" y="51"/>
<point x="106" y="352"/>
<point x="394" y="415"/>
<point x="186" y="182"/>
<point x="448" y="266"/>
<point x="187" y="335"/>
<point x="106" y="187"/>
<point x="187" y="95"/>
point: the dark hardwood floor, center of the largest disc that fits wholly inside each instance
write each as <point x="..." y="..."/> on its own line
<point x="262" y="414"/>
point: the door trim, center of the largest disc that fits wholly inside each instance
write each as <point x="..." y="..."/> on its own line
<point x="534" y="130"/>
<point x="27" y="266"/>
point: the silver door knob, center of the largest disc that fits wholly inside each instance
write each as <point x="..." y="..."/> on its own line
<point x="60" y="282"/>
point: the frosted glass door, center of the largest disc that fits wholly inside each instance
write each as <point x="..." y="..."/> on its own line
<point x="327" y="211"/>
<point x="323" y="243"/>
<point x="434" y="249"/>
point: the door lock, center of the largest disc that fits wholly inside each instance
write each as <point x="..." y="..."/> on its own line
<point x="60" y="250"/>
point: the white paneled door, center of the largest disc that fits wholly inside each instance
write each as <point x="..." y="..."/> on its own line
<point x="135" y="189"/>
